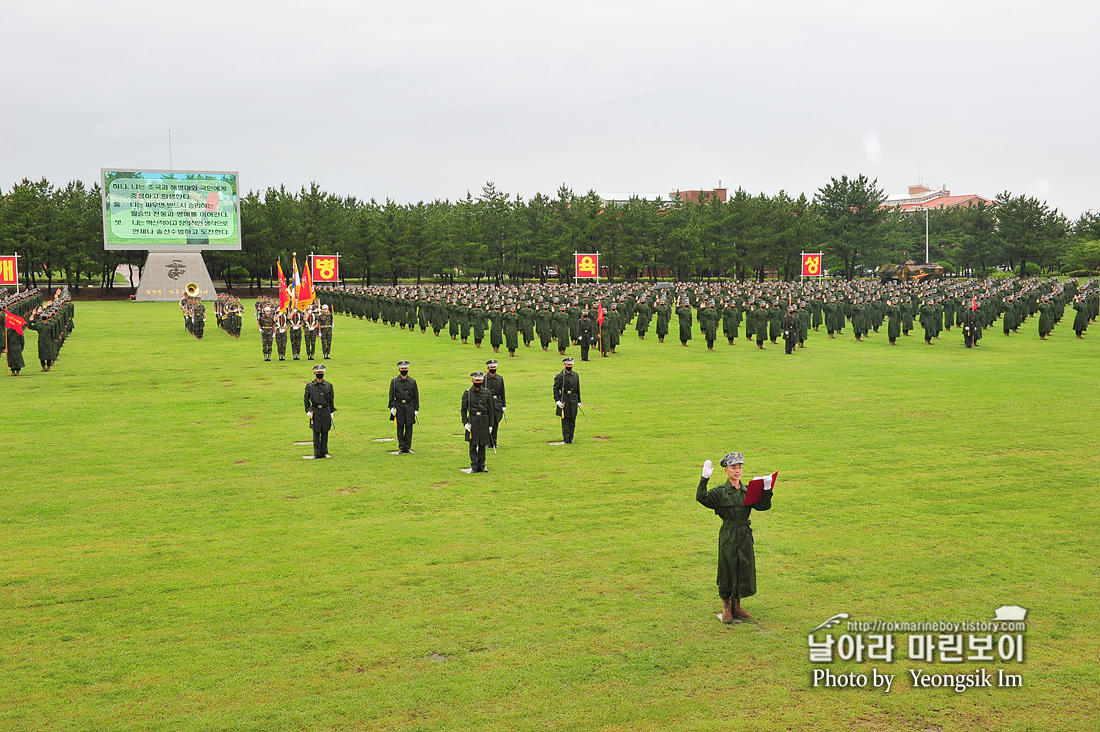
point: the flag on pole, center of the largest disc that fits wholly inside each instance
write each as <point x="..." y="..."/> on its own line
<point x="297" y="279"/>
<point x="305" y="293"/>
<point x="599" y="313"/>
<point x="284" y="296"/>
<point x="757" y="486"/>
<point x="13" y="321"/>
<point x="9" y="271"/>
<point x="587" y="266"/>
<point x="326" y="268"/>
<point x="811" y="265"/>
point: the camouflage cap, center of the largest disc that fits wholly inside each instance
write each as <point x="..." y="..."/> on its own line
<point x="732" y="458"/>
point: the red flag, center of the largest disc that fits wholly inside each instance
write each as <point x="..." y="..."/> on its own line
<point x="599" y="313"/>
<point x="974" y="303"/>
<point x="284" y="295"/>
<point x="756" y="487"/>
<point x="13" y="321"/>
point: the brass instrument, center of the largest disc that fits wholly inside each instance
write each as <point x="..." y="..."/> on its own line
<point x="192" y="289"/>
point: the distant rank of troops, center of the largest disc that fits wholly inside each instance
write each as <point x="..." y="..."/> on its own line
<point x="278" y="325"/>
<point x="52" y="322"/>
<point x="227" y="310"/>
<point x="571" y="314"/>
<point x="194" y="315"/>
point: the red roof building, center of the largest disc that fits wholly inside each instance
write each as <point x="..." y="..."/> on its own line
<point x="921" y="197"/>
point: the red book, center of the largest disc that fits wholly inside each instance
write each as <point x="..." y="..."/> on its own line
<point x="756" y="487"/>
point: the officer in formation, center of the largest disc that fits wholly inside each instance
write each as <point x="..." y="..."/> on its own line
<point x="790" y="330"/>
<point x="320" y="406"/>
<point x="311" y="325"/>
<point x="567" y="396"/>
<point x="585" y="335"/>
<point x="265" y="323"/>
<point x="227" y="311"/>
<point x="295" y="322"/>
<point x="494" y="382"/>
<point x="282" y="325"/>
<point x="404" y="406"/>
<point x="324" y="326"/>
<point x="479" y="415"/>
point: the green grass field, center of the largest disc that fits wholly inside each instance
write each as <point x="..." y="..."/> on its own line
<point x="170" y="562"/>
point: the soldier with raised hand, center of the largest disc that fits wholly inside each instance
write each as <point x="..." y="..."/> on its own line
<point x="478" y="417"/>
<point x="320" y="401"/>
<point x="736" y="558"/>
<point x="404" y="406"/>
<point x="567" y="396"/>
<point x="708" y="322"/>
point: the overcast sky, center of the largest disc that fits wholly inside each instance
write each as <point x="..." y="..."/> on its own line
<point x="423" y="100"/>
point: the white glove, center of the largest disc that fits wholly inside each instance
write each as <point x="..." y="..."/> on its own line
<point x="393" y="411"/>
<point x="708" y="468"/>
<point x="503" y="410"/>
<point x="561" y="405"/>
<point x="416" y="413"/>
<point x="467" y="426"/>
<point x="310" y="414"/>
<point x="490" y="430"/>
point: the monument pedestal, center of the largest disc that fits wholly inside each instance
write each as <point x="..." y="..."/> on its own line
<point x="166" y="276"/>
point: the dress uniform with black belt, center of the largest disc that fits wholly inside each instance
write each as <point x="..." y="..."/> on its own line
<point x="494" y="382"/>
<point x="320" y="405"/>
<point x="585" y="335"/>
<point x="567" y="395"/>
<point x="404" y="406"/>
<point x="478" y="417"/>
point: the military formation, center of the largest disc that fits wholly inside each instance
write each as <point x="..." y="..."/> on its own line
<point x="598" y="315"/>
<point x="278" y="327"/>
<point x="51" y="321"/>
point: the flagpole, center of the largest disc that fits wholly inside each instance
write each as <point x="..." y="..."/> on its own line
<point x="16" y="291"/>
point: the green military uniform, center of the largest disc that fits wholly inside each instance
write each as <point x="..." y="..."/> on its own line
<point x="736" y="558"/>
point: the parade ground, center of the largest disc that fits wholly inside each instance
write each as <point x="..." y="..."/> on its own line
<point x="170" y="562"/>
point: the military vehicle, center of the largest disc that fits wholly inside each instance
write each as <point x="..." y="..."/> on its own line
<point x="909" y="271"/>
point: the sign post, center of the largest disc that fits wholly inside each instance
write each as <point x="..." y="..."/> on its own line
<point x="9" y="271"/>
<point x="586" y="267"/>
<point x="811" y="265"/>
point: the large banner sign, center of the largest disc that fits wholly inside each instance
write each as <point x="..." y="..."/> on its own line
<point x="326" y="268"/>
<point x="588" y="266"/>
<point x="811" y="265"/>
<point x="171" y="211"/>
<point x="9" y="271"/>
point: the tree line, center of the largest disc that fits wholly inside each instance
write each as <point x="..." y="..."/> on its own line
<point x="497" y="237"/>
